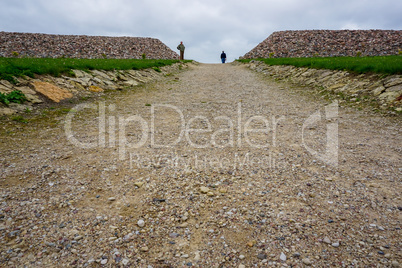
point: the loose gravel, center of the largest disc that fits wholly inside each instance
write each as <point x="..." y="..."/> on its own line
<point x="205" y="168"/>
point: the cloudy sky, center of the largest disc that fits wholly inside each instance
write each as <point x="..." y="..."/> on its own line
<point x="205" y="26"/>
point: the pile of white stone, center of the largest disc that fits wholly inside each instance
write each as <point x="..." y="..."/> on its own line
<point x="82" y="46"/>
<point x="328" y="43"/>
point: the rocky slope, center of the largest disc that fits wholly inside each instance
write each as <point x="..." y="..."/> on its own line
<point x="82" y="46"/>
<point x="328" y="43"/>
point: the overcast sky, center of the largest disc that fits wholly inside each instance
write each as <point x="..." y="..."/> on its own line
<point x="206" y="27"/>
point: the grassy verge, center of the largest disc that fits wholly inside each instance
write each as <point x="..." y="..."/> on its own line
<point x="380" y="64"/>
<point x="14" y="96"/>
<point x="16" y="67"/>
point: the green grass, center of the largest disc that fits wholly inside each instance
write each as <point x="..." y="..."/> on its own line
<point x="379" y="64"/>
<point x="20" y="118"/>
<point x="17" y="67"/>
<point x="15" y="96"/>
<point x="157" y="69"/>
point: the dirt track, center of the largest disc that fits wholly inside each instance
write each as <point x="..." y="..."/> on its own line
<point x="223" y="175"/>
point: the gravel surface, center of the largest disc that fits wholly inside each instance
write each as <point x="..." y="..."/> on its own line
<point x="211" y="167"/>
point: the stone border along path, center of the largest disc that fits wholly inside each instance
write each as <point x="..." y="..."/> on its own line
<point x="384" y="92"/>
<point x="236" y="206"/>
<point x="49" y="89"/>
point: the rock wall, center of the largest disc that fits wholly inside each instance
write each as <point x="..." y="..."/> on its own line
<point x="51" y="89"/>
<point x="328" y="43"/>
<point x="385" y="91"/>
<point x="82" y="46"/>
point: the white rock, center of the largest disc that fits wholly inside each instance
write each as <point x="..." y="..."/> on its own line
<point x="326" y="240"/>
<point x="307" y="261"/>
<point x="125" y="261"/>
<point x="204" y="190"/>
<point x="283" y="257"/>
<point x="197" y="256"/>
<point x="104" y="261"/>
<point x="7" y="111"/>
<point x="184" y="225"/>
<point x="141" y="223"/>
<point x="138" y="184"/>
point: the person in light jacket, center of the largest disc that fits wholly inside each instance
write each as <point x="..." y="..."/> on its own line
<point x="181" y="47"/>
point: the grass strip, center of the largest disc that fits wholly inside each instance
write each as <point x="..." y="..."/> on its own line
<point x="17" y="67"/>
<point x="380" y="64"/>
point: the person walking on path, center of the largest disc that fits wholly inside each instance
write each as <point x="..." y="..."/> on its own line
<point x="223" y="57"/>
<point x="181" y="47"/>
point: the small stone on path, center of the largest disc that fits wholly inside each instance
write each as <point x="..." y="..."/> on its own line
<point x="262" y="256"/>
<point x="141" y="223"/>
<point x="204" y="189"/>
<point x="306" y="261"/>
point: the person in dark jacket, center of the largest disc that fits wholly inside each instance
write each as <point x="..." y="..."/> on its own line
<point x="223" y="57"/>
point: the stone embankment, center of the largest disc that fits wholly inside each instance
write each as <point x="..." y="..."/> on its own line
<point x="328" y="43"/>
<point x="385" y="91"/>
<point x="49" y="89"/>
<point x="82" y="46"/>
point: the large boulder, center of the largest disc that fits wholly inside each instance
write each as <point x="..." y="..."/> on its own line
<point x="51" y="91"/>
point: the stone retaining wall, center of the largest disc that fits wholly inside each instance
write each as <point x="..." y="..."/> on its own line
<point x="328" y="43"/>
<point x="386" y="91"/>
<point x="82" y="46"/>
<point x="47" y="88"/>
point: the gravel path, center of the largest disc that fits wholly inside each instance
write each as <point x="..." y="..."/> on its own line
<point x="216" y="166"/>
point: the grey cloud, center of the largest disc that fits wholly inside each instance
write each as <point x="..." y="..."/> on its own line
<point x="207" y="27"/>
